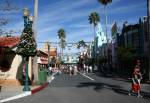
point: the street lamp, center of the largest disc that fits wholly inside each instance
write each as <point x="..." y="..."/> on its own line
<point x="28" y="20"/>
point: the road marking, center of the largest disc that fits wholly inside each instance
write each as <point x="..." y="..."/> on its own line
<point x="87" y="77"/>
<point x="51" y="79"/>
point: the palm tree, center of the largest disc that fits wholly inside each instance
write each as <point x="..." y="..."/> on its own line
<point x="94" y="19"/>
<point x="81" y="44"/>
<point x="105" y="2"/>
<point x="62" y="36"/>
<point x="61" y="33"/>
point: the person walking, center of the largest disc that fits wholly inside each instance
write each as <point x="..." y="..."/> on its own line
<point x="70" y="70"/>
<point x="136" y="80"/>
<point x="75" y="70"/>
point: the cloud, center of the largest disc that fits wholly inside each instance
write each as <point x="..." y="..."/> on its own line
<point x="79" y="26"/>
<point x="61" y="10"/>
<point x="51" y="20"/>
<point x="80" y="34"/>
<point x="128" y="8"/>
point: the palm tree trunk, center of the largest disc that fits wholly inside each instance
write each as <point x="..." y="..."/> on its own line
<point x="94" y="42"/>
<point x="106" y="23"/>
<point x="107" y="46"/>
<point x="62" y="51"/>
<point x="94" y="33"/>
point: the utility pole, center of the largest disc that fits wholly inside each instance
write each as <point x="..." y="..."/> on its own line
<point x="35" y="65"/>
<point x="148" y="30"/>
<point x="35" y="18"/>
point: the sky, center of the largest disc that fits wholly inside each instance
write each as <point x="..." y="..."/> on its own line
<point x="72" y="16"/>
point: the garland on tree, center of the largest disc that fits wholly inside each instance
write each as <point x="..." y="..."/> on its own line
<point x="27" y="45"/>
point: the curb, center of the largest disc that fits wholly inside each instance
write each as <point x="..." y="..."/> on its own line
<point x="27" y="93"/>
<point x="39" y="88"/>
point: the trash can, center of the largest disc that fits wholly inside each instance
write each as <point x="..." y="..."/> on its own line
<point x="42" y="76"/>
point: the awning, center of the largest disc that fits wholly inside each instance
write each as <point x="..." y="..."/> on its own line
<point x="42" y="61"/>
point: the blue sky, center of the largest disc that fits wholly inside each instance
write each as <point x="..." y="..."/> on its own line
<point x="72" y="15"/>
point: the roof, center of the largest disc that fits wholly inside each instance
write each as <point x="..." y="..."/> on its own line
<point x="52" y="53"/>
<point x="9" y="41"/>
<point x="42" y="53"/>
<point x="42" y="60"/>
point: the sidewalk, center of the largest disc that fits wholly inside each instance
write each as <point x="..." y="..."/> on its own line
<point x="124" y="84"/>
<point x="10" y="93"/>
<point x="7" y="92"/>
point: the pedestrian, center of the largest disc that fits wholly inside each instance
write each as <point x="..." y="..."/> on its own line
<point x="70" y="70"/>
<point x="90" y="67"/>
<point x="75" y="70"/>
<point x="136" y="80"/>
<point x="87" y="69"/>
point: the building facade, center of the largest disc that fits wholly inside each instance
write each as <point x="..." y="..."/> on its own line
<point x="10" y="63"/>
<point x="135" y="36"/>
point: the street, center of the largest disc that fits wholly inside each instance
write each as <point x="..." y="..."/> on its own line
<point x="74" y="51"/>
<point x="82" y="89"/>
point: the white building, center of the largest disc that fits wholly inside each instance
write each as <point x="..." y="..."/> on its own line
<point x="101" y="40"/>
<point x="100" y="34"/>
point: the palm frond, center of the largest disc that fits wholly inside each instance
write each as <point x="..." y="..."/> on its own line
<point x="104" y="2"/>
<point x="94" y="18"/>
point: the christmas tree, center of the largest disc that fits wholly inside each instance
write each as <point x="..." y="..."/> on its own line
<point x="27" y="45"/>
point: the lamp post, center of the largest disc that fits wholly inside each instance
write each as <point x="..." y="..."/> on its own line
<point x="28" y="20"/>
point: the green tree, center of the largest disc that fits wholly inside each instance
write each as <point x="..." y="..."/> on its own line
<point x="53" y="61"/>
<point x="105" y="2"/>
<point x="81" y="44"/>
<point x="126" y="56"/>
<point x="126" y="53"/>
<point x="62" y="37"/>
<point x="94" y="19"/>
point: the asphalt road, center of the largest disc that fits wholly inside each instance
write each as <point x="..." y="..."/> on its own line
<point x="82" y="89"/>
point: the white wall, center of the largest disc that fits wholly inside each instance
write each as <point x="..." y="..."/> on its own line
<point x="11" y="74"/>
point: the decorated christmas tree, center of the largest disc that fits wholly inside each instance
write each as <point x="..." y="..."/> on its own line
<point x="27" y="45"/>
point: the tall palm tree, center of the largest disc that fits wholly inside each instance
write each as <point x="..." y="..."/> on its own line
<point x="62" y="36"/>
<point x="105" y="2"/>
<point x="94" y="19"/>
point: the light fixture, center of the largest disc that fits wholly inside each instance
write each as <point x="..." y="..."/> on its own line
<point x="31" y="18"/>
<point x="26" y="12"/>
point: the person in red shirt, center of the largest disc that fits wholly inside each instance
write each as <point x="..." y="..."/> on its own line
<point x="136" y="79"/>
